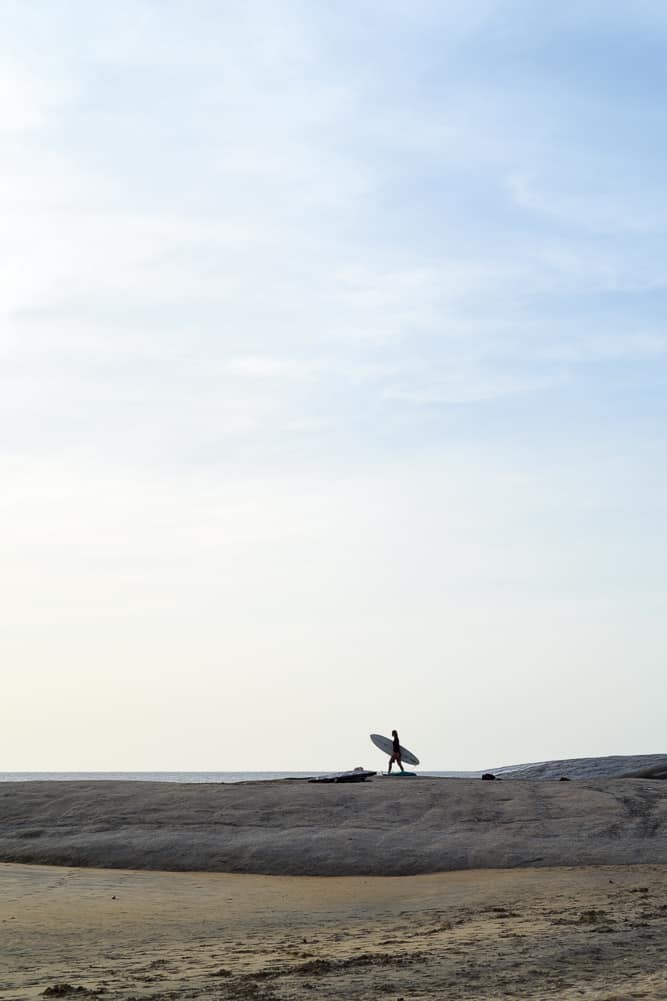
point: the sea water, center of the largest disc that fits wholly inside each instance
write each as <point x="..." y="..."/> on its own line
<point x="575" y="768"/>
<point x="180" y="776"/>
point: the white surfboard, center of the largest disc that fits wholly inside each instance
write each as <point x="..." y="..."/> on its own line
<point x="386" y="744"/>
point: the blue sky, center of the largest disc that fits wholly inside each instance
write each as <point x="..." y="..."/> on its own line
<point x="332" y="360"/>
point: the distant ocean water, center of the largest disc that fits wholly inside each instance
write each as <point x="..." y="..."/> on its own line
<point x="575" y="768"/>
<point x="179" y="776"/>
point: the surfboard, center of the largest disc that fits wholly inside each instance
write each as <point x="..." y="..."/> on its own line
<point x="386" y="744"/>
<point x="356" y="775"/>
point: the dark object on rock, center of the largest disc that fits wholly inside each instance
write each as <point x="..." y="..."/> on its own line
<point x="488" y="776"/>
<point x="563" y="778"/>
<point x="356" y="775"/>
<point x="62" y="991"/>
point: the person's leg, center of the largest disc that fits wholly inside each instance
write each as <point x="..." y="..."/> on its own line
<point x="391" y="761"/>
<point x="400" y="764"/>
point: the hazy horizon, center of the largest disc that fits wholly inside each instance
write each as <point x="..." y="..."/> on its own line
<point x="605" y="766"/>
<point x="333" y="383"/>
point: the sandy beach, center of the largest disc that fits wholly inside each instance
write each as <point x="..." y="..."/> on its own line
<point x="595" y="932"/>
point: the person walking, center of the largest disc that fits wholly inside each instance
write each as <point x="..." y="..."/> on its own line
<point x="396" y="753"/>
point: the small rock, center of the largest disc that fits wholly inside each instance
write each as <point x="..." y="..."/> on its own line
<point x="62" y="990"/>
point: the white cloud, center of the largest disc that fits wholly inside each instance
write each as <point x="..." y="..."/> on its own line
<point x="628" y="346"/>
<point x="30" y="97"/>
<point x="594" y="210"/>
<point x="272" y="368"/>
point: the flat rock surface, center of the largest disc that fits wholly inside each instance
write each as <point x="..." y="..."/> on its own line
<point x="638" y="766"/>
<point x="380" y="827"/>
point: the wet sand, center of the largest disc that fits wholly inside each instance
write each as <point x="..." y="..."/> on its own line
<point x="595" y="932"/>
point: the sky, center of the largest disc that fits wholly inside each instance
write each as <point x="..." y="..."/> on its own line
<point x="333" y="370"/>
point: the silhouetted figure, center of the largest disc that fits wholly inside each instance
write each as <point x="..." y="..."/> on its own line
<point x="396" y="753"/>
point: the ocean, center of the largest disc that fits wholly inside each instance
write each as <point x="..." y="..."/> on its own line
<point x="574" y="768"/>
<point x="181" y="776"/>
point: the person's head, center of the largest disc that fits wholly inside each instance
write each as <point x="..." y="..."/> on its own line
<point x="394" y="734"/>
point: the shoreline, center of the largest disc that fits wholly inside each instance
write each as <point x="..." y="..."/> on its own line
<point x="373" y="828"/>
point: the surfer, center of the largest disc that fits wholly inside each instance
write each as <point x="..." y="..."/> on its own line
<point x="396" y="753"/>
